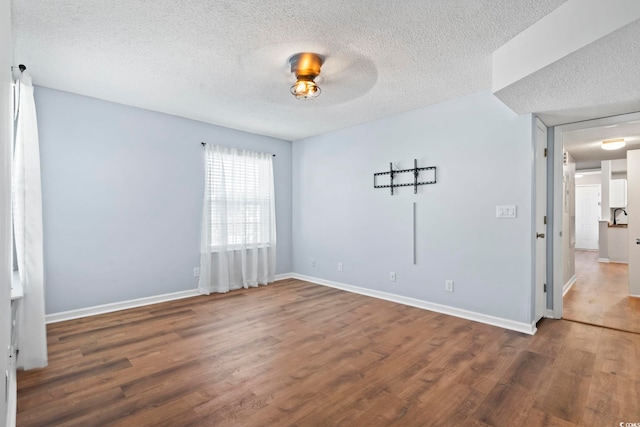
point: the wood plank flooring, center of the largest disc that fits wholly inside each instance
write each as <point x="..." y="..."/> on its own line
<point x="600" y="296"/>
<point x="299" y="354"/>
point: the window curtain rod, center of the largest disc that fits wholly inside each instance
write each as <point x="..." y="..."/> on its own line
<point x="204" y="143"/>
<point x="21" y="67"/>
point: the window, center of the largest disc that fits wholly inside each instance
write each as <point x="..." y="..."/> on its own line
<point x="238" y="240"/>
<point x="240" y="188"/>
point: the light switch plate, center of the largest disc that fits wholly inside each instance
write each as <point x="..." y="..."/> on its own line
<point x="506" y="211"/>
<point x="448" y="285"/>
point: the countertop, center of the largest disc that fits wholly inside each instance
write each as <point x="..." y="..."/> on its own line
<point x="618" y="225"/>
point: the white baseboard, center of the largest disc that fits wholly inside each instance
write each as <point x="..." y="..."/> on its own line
<point x="117" y="306"/>
<point x="605" y="260"/>
<point x="549" y="314"/>
<point x="438" y="308"/>
<point x="123" y="305"/>
<point x="568" y="285"/>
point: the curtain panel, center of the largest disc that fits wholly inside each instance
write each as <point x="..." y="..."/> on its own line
<point x="27" y="229"/>
<point x="238" y="238"/>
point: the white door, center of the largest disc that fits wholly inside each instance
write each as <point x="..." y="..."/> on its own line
<point x="540" y="220"/>
<point x="587" y="216"/>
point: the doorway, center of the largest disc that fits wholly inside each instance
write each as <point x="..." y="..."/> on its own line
<point x="590" y="277"/>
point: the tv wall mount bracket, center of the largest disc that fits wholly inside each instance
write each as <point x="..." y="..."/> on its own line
<point x="416" y="172"/>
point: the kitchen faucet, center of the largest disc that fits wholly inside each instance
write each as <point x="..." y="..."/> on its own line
<point x="614" y="214"/>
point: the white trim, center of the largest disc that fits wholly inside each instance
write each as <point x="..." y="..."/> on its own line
<point x="124" y="305"/>
<point x="549" y="314"/>
<point x="438" y="308"/>
<point x="117" y="306"/>
<point x="239" y="247"/>
<point x="283" y="276"/>
<point x="598" y="186"/>
<point x="635" y="296"/>
<point x="12" y="389"/>
<point x="604" y="260"/>
<point x="558" y="212"/>
<point x="568" y="285"/>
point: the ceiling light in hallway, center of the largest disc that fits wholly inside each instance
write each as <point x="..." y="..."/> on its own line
<point x="613" y="144"/>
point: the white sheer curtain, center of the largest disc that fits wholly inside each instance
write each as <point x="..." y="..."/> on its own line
<point x="27" y="228"/>
<point x="238" y="240"/>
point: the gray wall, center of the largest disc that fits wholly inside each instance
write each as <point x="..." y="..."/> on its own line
<point x="483" y="152"/>
<point x="5" y="195"/>
<point x="122" y="198"/>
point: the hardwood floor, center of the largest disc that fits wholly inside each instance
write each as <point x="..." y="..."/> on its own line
<point x="299" y="354"/>
<point x="600" y="296"/>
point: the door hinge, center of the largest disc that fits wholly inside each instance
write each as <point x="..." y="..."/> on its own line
<point x="545" y="220"/>
<point x="545" y="152"/>
<point x="545" y="287"/>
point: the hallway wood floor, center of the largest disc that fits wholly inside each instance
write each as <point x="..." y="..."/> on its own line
<point x="299" y="354"/>
<point x="600" y="296"/>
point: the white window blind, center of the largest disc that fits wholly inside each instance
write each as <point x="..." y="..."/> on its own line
<point x="241" y="192"/>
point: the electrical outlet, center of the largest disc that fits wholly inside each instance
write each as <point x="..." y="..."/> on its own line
<point x="339" y="266"/>
<point x="392" y="276"/>
<point x="448" y="285"/>
<point x="196" y="272"/>
<point x="313" y="263"/>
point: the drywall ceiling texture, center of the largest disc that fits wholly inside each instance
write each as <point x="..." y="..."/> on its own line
<point x="602" y="79"/>
<point x="225" y="62"/>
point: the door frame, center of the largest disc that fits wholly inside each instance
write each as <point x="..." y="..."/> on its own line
<point x="540" y="212"/>
<point x="554" y="187"/>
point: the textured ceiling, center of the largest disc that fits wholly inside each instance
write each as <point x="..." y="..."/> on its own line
<point x="601" y="79"/>
<point x="585" y="144"/>
<point x="225" y="62"/>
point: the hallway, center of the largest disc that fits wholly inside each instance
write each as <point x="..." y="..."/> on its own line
<point x="600" y="296"/>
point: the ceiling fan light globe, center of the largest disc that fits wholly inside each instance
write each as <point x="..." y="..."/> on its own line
<point x="306" y="67"/>
<point x="305" y="89"/>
